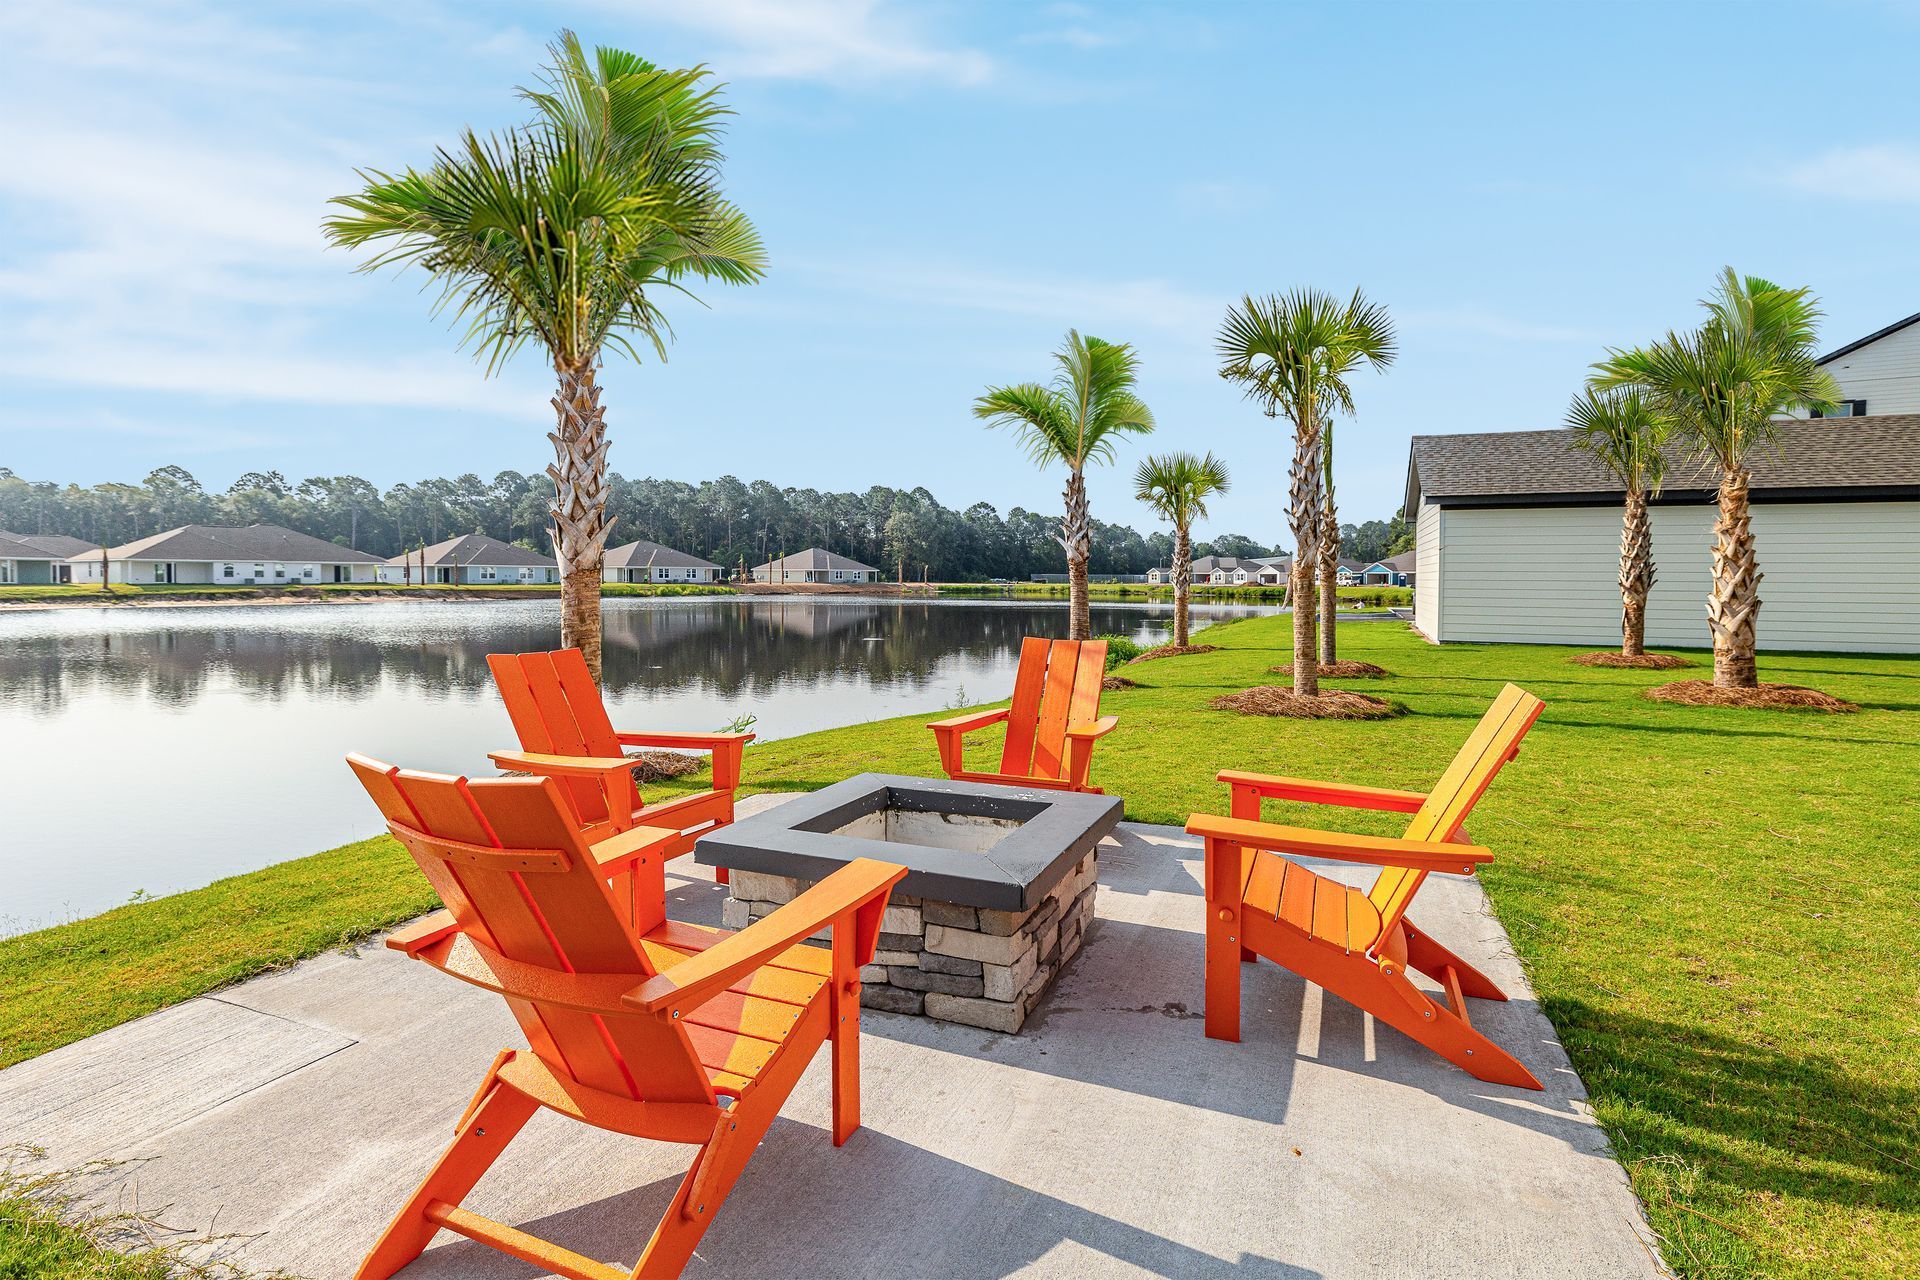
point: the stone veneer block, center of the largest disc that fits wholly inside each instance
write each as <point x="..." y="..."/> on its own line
<point x="990" y="1015"/>
<point x="949" y="914"/>
<point x="918" y="979"/>
<point x="934" y="962"/>
<point x="984" y="947"/>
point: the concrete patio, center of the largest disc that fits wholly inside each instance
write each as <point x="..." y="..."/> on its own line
<point x="1111" y="1138"/>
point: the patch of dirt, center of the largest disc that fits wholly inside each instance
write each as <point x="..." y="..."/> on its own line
<point x="655" y="766"/>
<point x="1331" y="704"/>
<point x="1174" y="651"/>
<point x="1111" y="683"/>
<point x="1345" y="669"/>
<point x="1768" y="697"/>
<point x="1645" y="662"/>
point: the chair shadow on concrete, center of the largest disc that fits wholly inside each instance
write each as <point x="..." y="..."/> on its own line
<point x="875" y="1209"/>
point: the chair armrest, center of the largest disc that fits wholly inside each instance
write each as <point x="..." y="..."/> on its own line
<point x="1094" y="729"/>
<point x="1340" y="793"/>
<point x="614" y="773"/>
<point x="1379" y="851"/>
<point x="617" y="852"/>
<point x="561" y="766"/>
<point x="694" y="741"/>
<point x="423" y="933"/>
<point x="862" y="882"/>
<point x="971" y="721"/>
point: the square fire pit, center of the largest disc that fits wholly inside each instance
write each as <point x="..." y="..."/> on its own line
<point x="997" y="897"/>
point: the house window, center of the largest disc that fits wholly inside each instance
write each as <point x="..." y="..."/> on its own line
<point x="1844" y="409"/>
<point x="226" y="571"/>
<point x="488" y="573"/>
<point x="279" y="571"/>
<point x="310" y="571"/>
<point x="6" y="571"/>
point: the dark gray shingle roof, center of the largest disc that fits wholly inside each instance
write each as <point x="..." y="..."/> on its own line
<point x="814" y="559"/>
<point x="255" y="542"/>
<point x="641" y="555"/>
<point x="1869" y="456"/>
<point x="475" y="548"/>
<point x="52" y="546"/>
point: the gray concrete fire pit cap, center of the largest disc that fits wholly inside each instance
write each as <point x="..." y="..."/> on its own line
<point x="803" y="838"/>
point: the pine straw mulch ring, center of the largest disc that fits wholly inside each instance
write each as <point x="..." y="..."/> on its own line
<point x="1345" y="669"/>
<point x="1767" y="697"/>
<point x="1112" y="683"/>
<point x="1330" y="704"/>
<point x="1173" y="651"/>
<point x="1641" y="662"/>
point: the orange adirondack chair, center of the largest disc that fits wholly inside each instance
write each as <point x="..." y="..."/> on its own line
<point x="1052" y="724"/>
<point x="1357" y="944"/>
<point x="643" y="1032"/>
<point x="565" y="733"/>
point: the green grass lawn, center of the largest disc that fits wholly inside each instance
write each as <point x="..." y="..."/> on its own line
<point x="1716" y="907"/>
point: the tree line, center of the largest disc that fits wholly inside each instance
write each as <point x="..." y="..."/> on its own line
<point x="724" y="520"/>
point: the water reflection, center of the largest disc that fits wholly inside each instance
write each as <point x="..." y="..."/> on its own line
<point x="200" y="742"/>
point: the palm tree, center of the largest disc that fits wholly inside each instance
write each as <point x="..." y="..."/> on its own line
<point x="1177" y="486"/>
<point x="1292" y="353"/>
<point x="1723" y="386"/>
<point x="1074" y="421"/>
<point x="1625" y="434"/>
<point x="562" y="233"/>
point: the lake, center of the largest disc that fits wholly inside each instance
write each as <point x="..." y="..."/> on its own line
<point x="155" y="749"/>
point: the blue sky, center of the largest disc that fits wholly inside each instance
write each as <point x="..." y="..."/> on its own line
<point x="944" y="189"/>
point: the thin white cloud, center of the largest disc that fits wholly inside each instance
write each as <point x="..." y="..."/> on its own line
<point x="828" y="40"/>
<point x="1880" y="172"/>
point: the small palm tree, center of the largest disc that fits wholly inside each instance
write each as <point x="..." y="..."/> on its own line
<point x="562" y="233"/>
<point x="1723" y="386"/>
<point x="1177" y="486"/>
<point x="1624" y="432"/>
<point x="1074" y="421"/>
<point x="1292" y="354"/>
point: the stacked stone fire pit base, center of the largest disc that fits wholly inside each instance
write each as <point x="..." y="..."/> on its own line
<point x="976" y="965"/>
<point x="997" y="898"/>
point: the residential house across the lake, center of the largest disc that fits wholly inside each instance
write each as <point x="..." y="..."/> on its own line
<point x="815" y="565"/>
<point x="651" y="562"/>
<point x="40" y="558"/>
<point x="1836" y="519"/>
<point x="258" y="555"/>
<point x="472" y="559"/>
<point x="1225" y="571"/>
<point x="1394" y="571"/>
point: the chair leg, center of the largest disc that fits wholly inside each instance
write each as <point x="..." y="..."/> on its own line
<point x="715" y="1169"/>
<point x="1454" y="1039"/>
<point x="476" y="1145"/>
<point x="1432" y="959"/>
<point x="1225" y="941"/>
<point x="843" y="1010"/>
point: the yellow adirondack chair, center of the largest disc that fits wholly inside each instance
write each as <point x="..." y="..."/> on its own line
<point x="646" y="1030"/>
<point x="1358" y="943"/>
<point x="1052" y="724"/>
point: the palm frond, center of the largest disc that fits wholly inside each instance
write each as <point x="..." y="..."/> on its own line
<point x="1177" y="485"/>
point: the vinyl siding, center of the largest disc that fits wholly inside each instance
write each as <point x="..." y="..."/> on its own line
<point x="1886" y="374"/>
<point x="1426" y="570"/>
<point x="1835" y="575"/>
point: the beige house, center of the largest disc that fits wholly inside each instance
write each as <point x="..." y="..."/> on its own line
<point x="472" y="559"/>
<point x="1836" y="516"/>
<point x="651" y="562"/>
<point x="815" y="565"/>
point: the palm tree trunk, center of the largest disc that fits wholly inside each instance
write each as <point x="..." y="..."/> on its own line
<point x="1182" y="583"/>
<point x="1636" y="574"/>
<point x="1329" y="582"/>
<point x="1303" y="514"/>
<point x="580" y="524"/>
<point x="1733" y="610"/>
<point x="1076" y="537"/>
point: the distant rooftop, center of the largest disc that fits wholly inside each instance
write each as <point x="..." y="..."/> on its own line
<point x="645" y="555"/>
<point x="255" y="542"/>
<point x="813" y="559"/>
<point x="475" y="548"/>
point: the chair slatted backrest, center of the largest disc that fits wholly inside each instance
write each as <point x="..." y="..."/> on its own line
<point x="556" y="709"/>
<point x="1058" y="684"/>
<point x="1494" y="741"/>
<point x="539" y="901"/>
